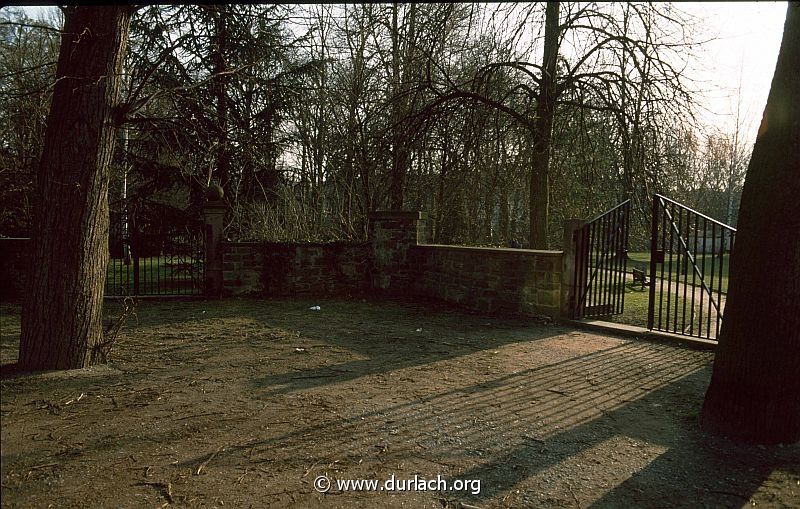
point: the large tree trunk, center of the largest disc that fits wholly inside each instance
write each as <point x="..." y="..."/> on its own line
<point x="543" y="131"/>
<point x="754" y="394"/>
<point x="61" y="318"/>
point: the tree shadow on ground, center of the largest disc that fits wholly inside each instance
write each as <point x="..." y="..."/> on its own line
<point x="695" y="470"/>
<point x="518" y="427"/>
<point x="523" y="408"/>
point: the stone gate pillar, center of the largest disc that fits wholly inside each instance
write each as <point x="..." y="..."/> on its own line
<point x="568" y="267"/>
<point x="392" y="234"/>
<point x="213" y="218"/>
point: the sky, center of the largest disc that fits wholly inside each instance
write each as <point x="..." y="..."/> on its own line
<point x="734" y="68"/>
<point x="746" y="40"/>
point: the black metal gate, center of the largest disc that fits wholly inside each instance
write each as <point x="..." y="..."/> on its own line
<point x="688" y="270"/>
<point x="154" y="254"/>
<point x="601" y="247"/>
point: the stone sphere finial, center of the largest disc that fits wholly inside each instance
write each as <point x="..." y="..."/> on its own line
<point x="214" y="192"/>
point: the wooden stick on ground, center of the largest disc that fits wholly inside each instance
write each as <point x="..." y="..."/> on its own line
<point x="206" y="462"/>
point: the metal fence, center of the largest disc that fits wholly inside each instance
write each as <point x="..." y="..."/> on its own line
<point x="689" y="260"/>
<point x="150" y="257"/>
<point x="601" y="264"/>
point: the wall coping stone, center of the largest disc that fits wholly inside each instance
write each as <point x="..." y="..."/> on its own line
<point x="488" y="250"/>
<point x="297" y="244"/>
<point x="397" y="214"/>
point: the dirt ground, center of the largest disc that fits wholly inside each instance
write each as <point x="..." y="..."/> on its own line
<point x="245" y="403"/>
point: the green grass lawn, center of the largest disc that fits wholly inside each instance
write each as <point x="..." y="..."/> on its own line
<point x="637" y="303"/>
<point x="636" y="306"/>
<point x="635" y="310"/>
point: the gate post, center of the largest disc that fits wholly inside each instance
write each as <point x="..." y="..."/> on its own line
<point x="392" y="234"/>
<point x="568" y="267"/>
<point x="213" y="220"/>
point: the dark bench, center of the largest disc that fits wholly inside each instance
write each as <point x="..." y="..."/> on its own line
<point x="640" y="277"/>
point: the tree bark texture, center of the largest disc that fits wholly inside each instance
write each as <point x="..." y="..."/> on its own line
<point x="61" y="318"/>
<point x="542" y="132"/>
<point x="754" y="396"/>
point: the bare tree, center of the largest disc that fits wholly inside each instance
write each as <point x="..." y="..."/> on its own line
<point x="586" y="79"/>
<point x="28" y="55"/>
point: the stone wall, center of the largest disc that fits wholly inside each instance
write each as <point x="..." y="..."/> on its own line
<point x="520" y="281"/>
<point x="14" y="254"/>
<point x="285" y="269"/>
<point x="392" y="235"/>
<point x="394" y="260"/>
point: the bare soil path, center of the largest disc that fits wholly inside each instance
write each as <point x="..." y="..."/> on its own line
<point x="244" y="403"/>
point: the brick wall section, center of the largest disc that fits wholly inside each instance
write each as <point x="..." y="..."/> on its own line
<point x="14" y="254"/>
<point x="286" y="269"/>
<point x="392" y="235"/>
<point x="490" y="280"/>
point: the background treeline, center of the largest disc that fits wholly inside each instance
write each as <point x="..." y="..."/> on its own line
<point x="311" y="117"/>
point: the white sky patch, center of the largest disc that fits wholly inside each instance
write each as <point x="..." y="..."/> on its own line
<point x="747" y="38"/>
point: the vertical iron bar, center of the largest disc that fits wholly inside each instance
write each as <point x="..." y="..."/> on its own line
<point x="663" y="259"/>
<point x="608" y="262"/>
<point x="576" y="295"/>
<point x="164" y="273"/>
<point x="604" y="264"/>
<point x="588" y="283"/>
<point x="669" y="271"/>
<point x="151" y="283"/>
<point x="148" y="277"/>
<point x="588" y="239"/>
<point x="588" y="278"/>
<point x="577" y="289"/>
<point x="719" y="285"/>
<point x="581" y="289"/>
<point x="694" y="275"/>
<point x="584" y="288"/>
<point x="679" y="259"/>
<point x="625" y="254"/>
<point x="135" y="245"/>
<point x="169" y="273"/>
<point x="711" y="280"/>
<point x="616" y="261"/>
<point x="201" y="262"/>
<point x="703" y="281"/>
<point x="578" y="273"/>
<point x="111" y="262"/>
<point x="595" y="276"/>
<point x="653" y="249"/>
<point x="170" y="287"/>
<point x="611" y="256"/>
<point x="619" y="256"/>
<point x="591" y="284"/>
<point x="685" y="268"/>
